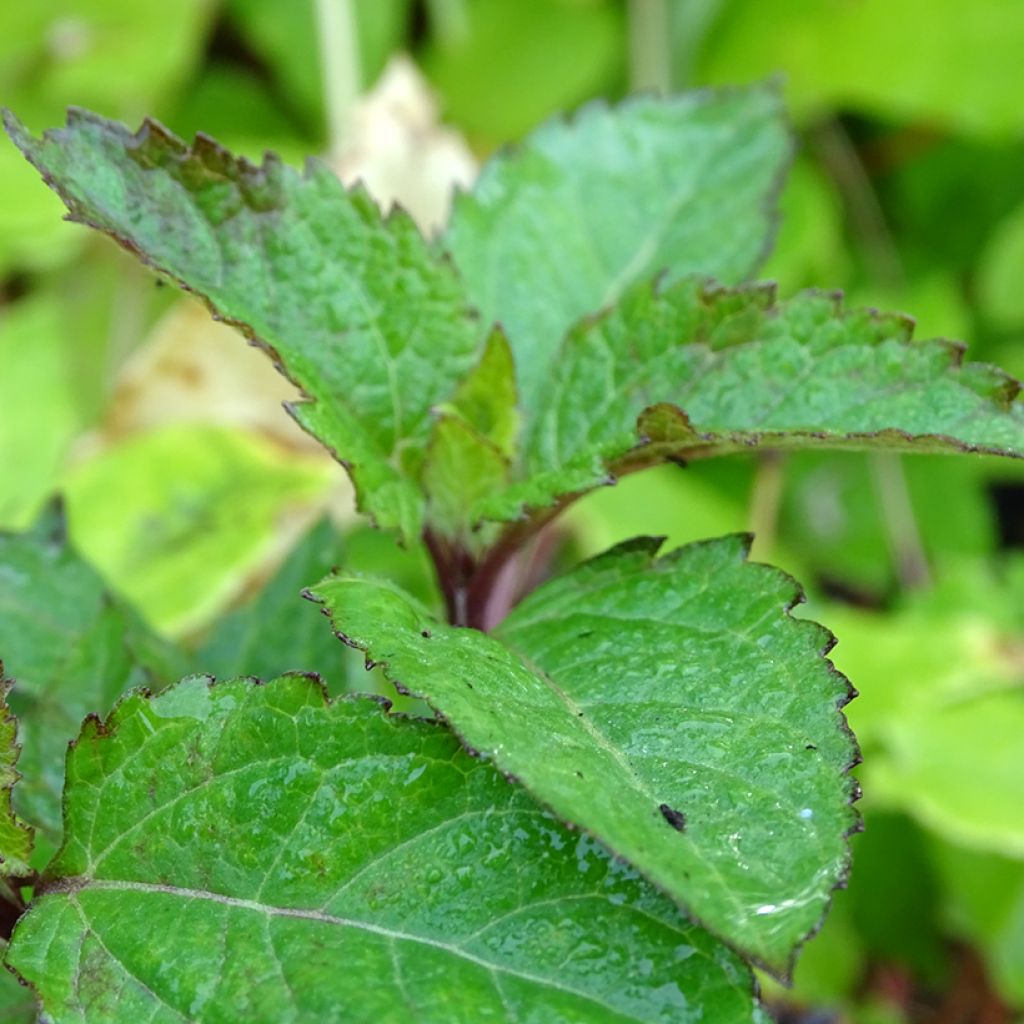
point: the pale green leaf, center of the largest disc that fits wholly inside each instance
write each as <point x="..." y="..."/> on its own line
<point x="247" y="852"/>
<point x="880" y="58"/>
<point x="670" y="706"/>
<point x="560" y="226"/>
<point x="71" y="650"/>
<point x="712" y="371"/>
<point x="181" y="517"/>
<point x="355" y="308"/>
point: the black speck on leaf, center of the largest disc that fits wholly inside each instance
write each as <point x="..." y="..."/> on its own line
<point x="675" y="818"/>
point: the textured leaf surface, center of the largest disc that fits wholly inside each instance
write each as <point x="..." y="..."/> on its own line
<point x="712" y="370"/>
<point x="669" y="706"/>
<point x="71" y="650"/>
<point x="16" y="837"/>
<point x="362" y="317"/>
<point x="237" y="851"/>
<point x="560" y="226"/>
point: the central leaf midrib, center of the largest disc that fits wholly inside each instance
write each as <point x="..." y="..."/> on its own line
<point x="148" y="888"/>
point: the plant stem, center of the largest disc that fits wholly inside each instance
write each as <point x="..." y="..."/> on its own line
<point x="449" y="20"/>
<point x="339" y="61"/>
<point x="900" y="523"/>
<point x="650" y="65"/>
<point x="765" y="502"/>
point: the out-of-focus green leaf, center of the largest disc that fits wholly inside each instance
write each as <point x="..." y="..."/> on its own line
<point x="562" y="226"/>
<point x="508" y="66"/>
<point x="229" y="846"/>
<point x="718" y="770"/>
<point x="834" y="512"/>
<point x="278" y="631"/>
<point x="957" y="766"/>
<point x="72" y="650"/>
<point x="810" y="247"/>
<point x="1001" y="274"/>
<point x="268" y="247"/>
<point x="179" y="518"/>
<point x="285" y="36"/>
<point x="37" y="397"/>
<point x="941" y="710"/>
<point x="894" y="896"/>
<point x="983" y="903"/>
<point x="881" y="57"/>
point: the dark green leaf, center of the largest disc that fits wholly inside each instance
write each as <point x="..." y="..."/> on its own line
<point x="670" y="706"/>
<point x="71" y="649"/>
<point x="246" y="852"/>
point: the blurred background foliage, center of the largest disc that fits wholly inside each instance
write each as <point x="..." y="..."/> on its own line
<point x="186" y="485"/>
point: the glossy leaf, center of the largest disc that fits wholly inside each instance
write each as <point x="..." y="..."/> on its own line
<point x="670" y="706"/>
<point x="237" y="851"/>
<point x="559" y="227"/>
<point x="72" y="649"/>
<point x="308" y="270"/>
<point x="712" y="371"/>
<point x="16" y="838"/>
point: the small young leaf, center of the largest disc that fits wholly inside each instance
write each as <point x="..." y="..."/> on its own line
<point x="247" y="852"/>
<point x="71" y="649"/>
<point x="711" y="370"/>
<point x="560" y="226"/>
<point x="16" y="838"/>
<point x="671" y="706"/>
<point x="355" y="309"/>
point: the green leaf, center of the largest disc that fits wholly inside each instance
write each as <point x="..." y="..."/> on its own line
<point x="278" y="632"/>
<point x="241" y="851"/>
<point x="942" y="712"/>
<point x="72" y="650"/>
<point x="181" y="517"/>
<point x="37" y="387"/>
<point x="16" y="838"/>
<point x="669" y="706"/>
<point x="717" y="371"/>
<point x="355" y="308"/>
<point x="559" y="227"/>
<point x="879" y="58"/>
<point x="469" y="460"/>
<point x="501" y="68"/>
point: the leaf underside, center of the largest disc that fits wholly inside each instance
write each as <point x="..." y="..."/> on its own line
<point x="670" y="706"/>
<point x="243" y="851"/>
